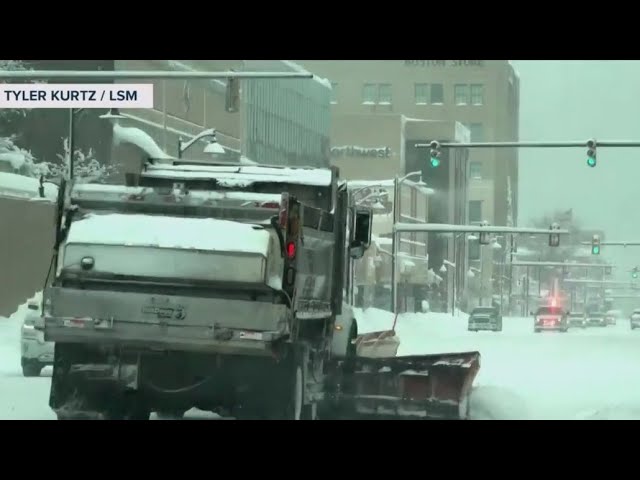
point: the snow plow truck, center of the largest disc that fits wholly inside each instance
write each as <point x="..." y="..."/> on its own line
<point x="221" y="288"/>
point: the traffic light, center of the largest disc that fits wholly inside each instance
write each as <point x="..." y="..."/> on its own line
<point x="435" y="154"/>
<point x="554" y="238"/>
<point x="595" y="245"/>
<point x="634" y="272"/>
<point x="591" y="153"/>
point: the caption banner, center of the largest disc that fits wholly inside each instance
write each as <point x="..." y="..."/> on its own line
<point x="84" y="95"/>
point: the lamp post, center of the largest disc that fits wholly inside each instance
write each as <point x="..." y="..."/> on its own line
<point x="397" y="182"/>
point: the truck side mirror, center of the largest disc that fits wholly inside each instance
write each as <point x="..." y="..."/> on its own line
<point x="361" y="232"/>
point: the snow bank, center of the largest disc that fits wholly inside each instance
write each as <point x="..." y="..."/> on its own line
<point x="16" y="159"/>
<point x="419" y="333"/>
<point x="170" y="232"/>
<point x="13" y="185"/>
<point x="242" y="176"/>
<point x="140" y="139"/>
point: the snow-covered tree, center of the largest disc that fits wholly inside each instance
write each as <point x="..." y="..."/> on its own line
<point x="14" y="159"/>
<point x="86" y="167"/>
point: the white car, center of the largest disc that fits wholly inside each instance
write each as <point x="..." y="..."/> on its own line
<point x="35" y="352"/>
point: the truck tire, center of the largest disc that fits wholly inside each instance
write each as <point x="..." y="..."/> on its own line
<point x="295" y="381"/>
<point x="170" y="414"/>
<point x="31" y="368"/>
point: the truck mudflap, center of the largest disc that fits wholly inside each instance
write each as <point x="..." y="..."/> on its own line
<point x="419" y="387"/>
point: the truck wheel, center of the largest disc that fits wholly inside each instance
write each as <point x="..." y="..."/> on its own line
<point x="296" y="402"/>
<point x="170" y="414"/>
<point x="31" y="368"/>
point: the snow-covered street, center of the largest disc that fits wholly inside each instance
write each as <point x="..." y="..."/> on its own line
<point x="582" y="374"/>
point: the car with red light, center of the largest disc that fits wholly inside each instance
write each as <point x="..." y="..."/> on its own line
<point x="550" y="319"/>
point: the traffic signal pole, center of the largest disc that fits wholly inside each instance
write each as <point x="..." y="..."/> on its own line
<point x="572" y="144"/>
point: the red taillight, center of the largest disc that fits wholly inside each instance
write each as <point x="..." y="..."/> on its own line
<point x="291" y="250"/>
<point x="268" y="205"/>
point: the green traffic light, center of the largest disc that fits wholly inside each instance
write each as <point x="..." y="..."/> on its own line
<point x="634" y="275"/>
<point x="591" y="161"/>
<point x="595" y="250"/>
<point x="435" y="162"/>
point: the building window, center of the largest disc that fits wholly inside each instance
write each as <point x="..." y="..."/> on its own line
<point x="422" y="93"/>
<point x="369" y="93"/>
<point x="334" y="93"/>
<point x="461" y="94"/>
<point x="476" y="131"/>
<point x="437" y="94"/>
<point x="384" y="93"/>
<point x="475" y="210"/>
<point x="477" y="94"/>
<point x="379" y="93"/>
<point x="475" y="170"/>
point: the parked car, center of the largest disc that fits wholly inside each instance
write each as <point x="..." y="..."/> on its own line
<point x="634" y="319"/>
<point x="485" y="318"/>
<point x="35" y="352"/>
<point x="596" y="319"/>
<point x="577" y="319"/>
<point x="611" y="317"/>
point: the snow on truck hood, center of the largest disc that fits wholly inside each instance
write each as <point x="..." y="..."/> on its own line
<point x="170" y="232"/>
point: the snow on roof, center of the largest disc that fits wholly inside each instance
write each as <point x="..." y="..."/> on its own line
<point x="300" y="69"/>
<point x="351" y="184"/>
<point x="243" y="176"/>
<point x="140" y="139"/>
<point x="170" y="232"/>
<point x="14" y="185"/>
<point x="121" y="193"/>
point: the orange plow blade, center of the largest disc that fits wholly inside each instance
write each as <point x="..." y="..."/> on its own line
<point x="412" y="387"/>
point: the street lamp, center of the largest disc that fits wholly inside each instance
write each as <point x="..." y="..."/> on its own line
<point x="213" y="147"/>
<point x="397" y="182"/>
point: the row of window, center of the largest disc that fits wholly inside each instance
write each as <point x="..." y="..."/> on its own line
<point x="286" y="122"/>
<point x="424" y="93"/>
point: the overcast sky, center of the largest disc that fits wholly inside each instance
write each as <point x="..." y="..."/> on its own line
<point x="578" y="100"/>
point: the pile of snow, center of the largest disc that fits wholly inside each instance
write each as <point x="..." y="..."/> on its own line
<point x="419" y="333"/>
<point x="170" y="232"/>
<point x="15" y="159"/>
<point x="13" y="185"/>
<point x="140" y="139"/>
